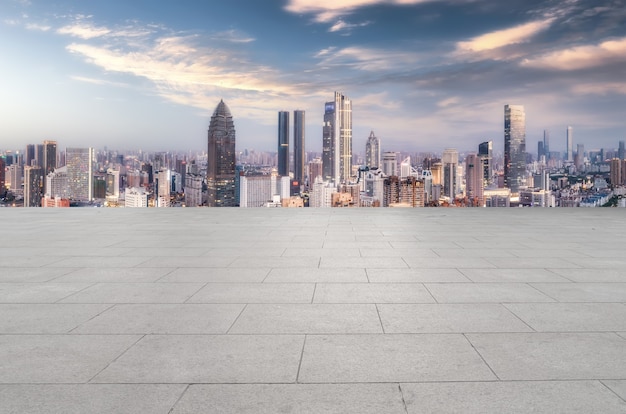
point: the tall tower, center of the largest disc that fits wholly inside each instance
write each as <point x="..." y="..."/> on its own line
<point x="283" y="143"/>
<point x="514" y="146"/>
<point x="372" y="151"/>
<point x="221" y="158"/>
<point x="546" y="143"/>
<point x="474" y="181"/>
<point x="337" y="139"/>
<point x="485" y="153"/>
<point x="298" y="146"/>
<point x="570" y="144"/>
<point x="33" y="184"/>
<point x="450" y="160"/>
<point x="621" y="152"/>
<point x="49" y="159"/>
<point x="79" y="162"/>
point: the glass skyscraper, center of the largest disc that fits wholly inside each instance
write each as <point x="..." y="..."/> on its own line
<point x="283" y="143"/>
<point x="298" y="146"/>
<point x="337" y="140"/>
<point x="372" y="151"/>
<point x="221" y="159"/>
<point x="514" y="147"/>
<point x="79" y="162"/>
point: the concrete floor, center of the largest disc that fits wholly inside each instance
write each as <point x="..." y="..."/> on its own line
<point x="312" y="310"/>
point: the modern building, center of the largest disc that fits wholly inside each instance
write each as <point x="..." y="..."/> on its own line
<point x="33" y="186"/>
<point x="193" y="189"/>
<point x="135" y="197"/>
<point x="569" y="144"/>
<point x="403" y="192"/>
<point x="283" y="143"/>
<point x="163" y="188"/>
<point x="450" y="161"/>
<point x="546" y="143"/>
<point x="79" y="163"/>
<point x="2" y="176"/>
<point x="30" y="154"/>
<point x="373" y="188"/>
<point x="299" y="158"/>
<point x="49" y="158"/>
<point x="474" y="180"/>
<point x="372" y="151"/>
<point x="57" y="184"/>
<point x="485" y="153"/>
<point x="14" y="177"/>
<point x="337" y="140"/>
<point x="390" y="164"/>
<point x="221" y="159"/>
<point x="316" y="169"/>
<point x="514" y="147"/>
<point x="621" y="152"/>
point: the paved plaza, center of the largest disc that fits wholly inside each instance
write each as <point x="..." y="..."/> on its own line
<point x="400" y="311"/>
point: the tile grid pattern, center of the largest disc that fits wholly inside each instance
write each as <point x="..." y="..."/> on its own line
<point x="313" y="310"/>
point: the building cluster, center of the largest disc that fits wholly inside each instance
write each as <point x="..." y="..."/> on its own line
<point x="42" y="176"/>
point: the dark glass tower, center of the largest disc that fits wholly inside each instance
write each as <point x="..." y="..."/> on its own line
<point x="283" y="143"/>
<point x="221" y="159"/>
<point x="337" y="140"/>
<point x="298" y="146"/>
<point x="485" y="152"/>
<point x="514" y="146"/>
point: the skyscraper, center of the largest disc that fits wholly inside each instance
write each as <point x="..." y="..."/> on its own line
<point x="30" y="154"/>
<point x="621" y="152"/>
<point x="49" y="158"/>
<point x="298" y="146"/>
<point x="372" y="151"/>
<point x="221" y="158"/>
<point x="474" y="180"/>
<point x="283" y="143"/>
<point x="485" y="153"/>
<point x="546" y="143"/>
<point x="79" y="162"/>
<point x="33" y="183"/>
<point x="337" y="139"/>
<point x="570" y="144"/>
<point x="450" y="160"/>
<point x="514" y="146"/>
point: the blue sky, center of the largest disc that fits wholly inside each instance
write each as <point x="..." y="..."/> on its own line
<point x="423" y="75"/>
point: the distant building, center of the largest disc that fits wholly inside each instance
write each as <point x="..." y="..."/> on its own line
<point x="57" y="184"/>
<point x="337" y="140"/>
<point x="33" y="186"/>
<point x="474" y="180"/>
<point x="299" y="158"/>
<point x="621" y="152"/>
<point x="485" y="152"/>
<point x="55" y="202"/>
<point x="283" y="143"/>
<point x="373" y="188"/>
<point x="403" y="192"/>
<point x="221" y="159"/>
<point x="193" y="189"/>
<point x="372" y="151"/>
<point x="79" y="163"/>
<point x="390" y="164"/>
<point x="450" y="161"/>
<point x="321" y="194"/>
<point x="135" y="197"/>
<point x="569" y="142"/>
<point x="315" y="170"/>
<point x="514" y="147"/>
<point x="163" y="188"/>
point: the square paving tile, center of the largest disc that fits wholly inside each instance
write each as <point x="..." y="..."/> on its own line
<point x="97" y="261"/>
<point x="572" y="317"/>
<point x="592" y="275"/>
<point x="292" y="398"/>
<point x="549" y="397"/>
<point x="371" y="293"/>
<point x="553" y="356"/>
<point x="58" y="358"/>
<point x="448" y="263"/>
<point x="113" y="275"/>
<point x="163" y="319"/>
<point x="415" y="276"/>
<point x="617" y="386"/>
<point x="364" y="262"/>
<point x="31" y="274"/>
<point x="207" y="359"/>
<point x="307" y="319"/>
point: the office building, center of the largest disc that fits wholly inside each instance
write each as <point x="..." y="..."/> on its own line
<point x="49" y="158"/>
<point x="163" y="188"/>
<point x="298" y="146"/>
<point x="79" y="163"/>
<point x="193" y="189"/>
<point x="570" y="144"/>
<point x="485" y="153"/>
<point x="621" y="152"/>
<point x="372" y="151"/>
<point x="514" y="147"/>
<point x="546" y="143"/>
<point x="14" y="177"/>
<point x="2" y="177"/>
<point x="316" y="169"/>
<point x="450" y="161"/>
<point x="30" y="155"/>
<point x="474" y="180"/>
<point x="33" y="186"/>
<point x="57" y="184"/>
<point x="221" y="158"/>
<point x="283" y="143"/>
<point x="390" y="164"/>
<point x="337" y="140"/>
<point x="135" y="197"/>
<point x="403" y="192"/>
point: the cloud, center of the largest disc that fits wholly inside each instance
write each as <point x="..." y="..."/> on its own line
<point x="581" y="57"/>
<point x="346" y="27"/>
<point x="367" y="59"/>
<point x="83" y="30"/>
<point x="448" y="102"/>
<point x="232" y="36"/>
<point x="506" y="37"/>
<point x="601" y="88"/>
<point x="38" y="27"/>
<point x="327" y="10"/>
<point x="97" y="81"/>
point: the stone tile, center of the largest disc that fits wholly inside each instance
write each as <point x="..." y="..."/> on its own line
<point x="213" y="275"/>
<point x="58" y="358"/>
<point x="161" y="251"/>
<point x="316" y="275"/>
<point x="512" y="275"/>
<point x="442" y="318"/>
<point x="300" y="252"/>
<point x="84" y="251"/>
<point x="163" y="319"/>
<point x="114" y="275"/>
<point x="406" y="252"/>
<point x="273" y="262"/>
<point x="584" y="292"/>
<point x="135" y="293"/>
<point x="533" y="263"/>
<point x="485" y="293"/>
<point x="608" y="253"/>
<point x="263" y="251"/>
<point x="371" y="293"/>
<point x="592" y="275"/>
<point x="617" y="386"/>
<point x="89" y="398"/>
<point x="292" y="398"/>
<point x="363" y="262"/>
<point x="37" y="292"/>
<point x="31" y="261"/>
<point x="97" y="261"/>
<point x="390" y="358"/>
<point x="169" y="261"/>
<point x="448" y="263"/>
<point x="308" y="319"/>
<point x="31" y="274"/>
<point x="208" y="359"/>
<point x="254" y="293"/>
<point x="572" y="317"/>
<point x="415" y="276"/>
<point x="615" y="262"/>
<point x="461" y="252"/>
<point x="553" y="356"/>
<point x="549" y="253"/>
<point x="45" y="318"/>
<point x="549" y="397"/>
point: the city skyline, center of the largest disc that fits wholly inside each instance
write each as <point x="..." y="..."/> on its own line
<point x="117" y="73"/>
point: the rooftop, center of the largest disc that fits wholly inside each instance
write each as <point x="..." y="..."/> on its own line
<point x="312" y="310"/>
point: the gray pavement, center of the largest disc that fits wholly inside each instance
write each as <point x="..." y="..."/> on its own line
<point x="313" y="311"/>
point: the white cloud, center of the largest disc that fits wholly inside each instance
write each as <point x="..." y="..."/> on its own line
<point x="453" y="100"/>
<point x="367" y="59"/>
<point x="500" y="38"/>
<point x="233" y="36"/>
<point x="83" y="30"/>
<point x="341" y="25"/>
<point x="581" y="57"/>
<point x="327" y="10"/>
<point x="95" y="81"/>
<point x="39" y="27"/>
<point x="606" y="88"/>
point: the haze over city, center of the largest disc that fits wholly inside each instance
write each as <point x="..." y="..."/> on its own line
<point x="424" y="75"/>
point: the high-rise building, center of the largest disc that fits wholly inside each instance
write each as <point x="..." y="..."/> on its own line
<point x="135" y="197"/>
<point x="49" y="158"/>
<point x="621" y="152"/>
<point x="546" y="143"/>
<point x="372" y="151"/>
<point x="579" y="158"/>
<point x="450" y="160"/>
<point x="39" y="158"/>
<point x="57" y="184"/>
<point x="474" y="180"/>
<point x="221" y="158"/>
<point x="283" y="143"/>
<point x="390" y="164"/>
<point x="337" y="140"/>
<point x="316" y="169"/>
<point x="30" y="154"/>
<point x="79" y="163"/>
<point x="514" y="147"/>
<point x="298" y="146"/>
<point x="616" y="172"/>
<point x="485" y="153"/>
<point x="2" y="177"/>
<point x="15" y="176"/>
<point x="163" y="187"/>
<point x="33" y="185"/>
<point x="570" y="144"/>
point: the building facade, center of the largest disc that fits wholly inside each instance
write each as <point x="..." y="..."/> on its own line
<point x="79" y="163"/>
<point x="221" y="159"/>
<point x="337" y="140"/>
<point x="283" y="143"/>
<point x="514" y="147"/>
<point x="372" y="151"/>
<point x="474" y="180"/>
<point x="298" y="146"/>
<point x="450" y="162"/>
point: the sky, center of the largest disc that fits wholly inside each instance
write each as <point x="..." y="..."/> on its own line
<point x="424" y="75"/>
